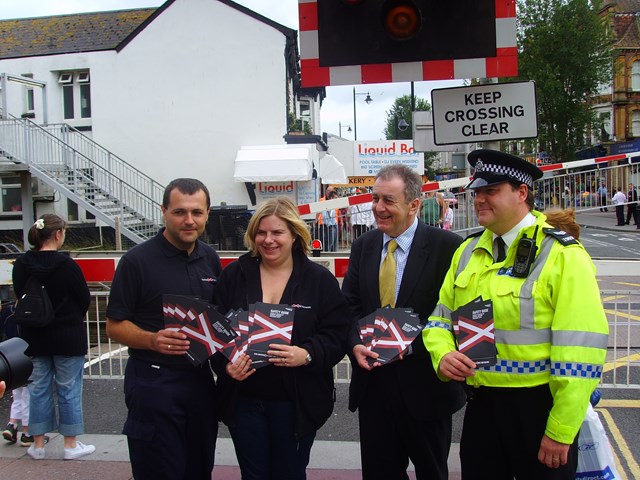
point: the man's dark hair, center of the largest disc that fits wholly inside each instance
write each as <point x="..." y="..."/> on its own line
<point x="187" y="186"/>
<point x="530" y="196"/>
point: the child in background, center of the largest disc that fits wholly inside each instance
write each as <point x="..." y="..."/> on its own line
<point x="448" y="218"/>
<point x="19" y="414"/>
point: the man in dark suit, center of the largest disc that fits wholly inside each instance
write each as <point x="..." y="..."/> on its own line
<point x="404" y="410"/>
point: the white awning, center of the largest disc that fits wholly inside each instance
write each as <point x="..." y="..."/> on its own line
<point x="275" y="163"/>
<point x="331" y="171"/>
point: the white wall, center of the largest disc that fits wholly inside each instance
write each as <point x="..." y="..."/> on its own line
<point x="199" y="82"/>
<point x="181" y="98"/>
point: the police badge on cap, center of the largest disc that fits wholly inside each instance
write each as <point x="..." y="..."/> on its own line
<point x="493" y="167"/>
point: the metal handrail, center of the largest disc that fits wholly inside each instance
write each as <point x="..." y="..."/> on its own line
<point x="119" y="167"/>
<point x="97" y="187"/>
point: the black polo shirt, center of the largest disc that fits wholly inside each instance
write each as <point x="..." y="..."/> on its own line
<point x="152" y="269"/>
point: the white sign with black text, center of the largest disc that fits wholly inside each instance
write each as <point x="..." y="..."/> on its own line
<point x="371" y="156"/>
<point x="483" y="113"/>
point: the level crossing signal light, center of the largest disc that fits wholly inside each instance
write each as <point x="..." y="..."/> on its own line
<point x="316" y="247"/>
<point x="356" y="32"/>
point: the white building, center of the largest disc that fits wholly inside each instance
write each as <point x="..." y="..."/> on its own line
<point x="174" y="91"/>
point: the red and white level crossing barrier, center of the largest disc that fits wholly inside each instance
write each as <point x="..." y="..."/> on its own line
<point x="344" y="202"/>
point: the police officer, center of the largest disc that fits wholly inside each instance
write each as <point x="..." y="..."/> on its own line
<point x="524" y="411"/>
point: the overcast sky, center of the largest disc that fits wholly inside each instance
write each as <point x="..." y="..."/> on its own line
<point x="337" y="106"/>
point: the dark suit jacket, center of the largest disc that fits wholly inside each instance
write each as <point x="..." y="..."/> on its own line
<point x="422" y="394"/>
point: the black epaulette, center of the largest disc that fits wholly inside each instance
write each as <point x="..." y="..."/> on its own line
<point x="563" y="237"/>
<point x="473" y="235"/>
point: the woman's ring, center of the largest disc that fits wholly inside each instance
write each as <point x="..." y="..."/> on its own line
<point x="168" y="347"/>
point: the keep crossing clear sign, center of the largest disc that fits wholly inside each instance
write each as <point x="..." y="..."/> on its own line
<point x="482" y="113"/>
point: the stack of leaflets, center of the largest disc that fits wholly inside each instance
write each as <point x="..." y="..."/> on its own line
<point x="474" y="330"/>
<point x="262" y="325"/>
<point x="206" y="329"/>
<point x="389" y="332"/>
<point x="240" y="331"/>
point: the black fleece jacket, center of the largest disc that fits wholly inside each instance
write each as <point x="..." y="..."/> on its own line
<point x="321" y="324"/>
<point x="69" y="294"/>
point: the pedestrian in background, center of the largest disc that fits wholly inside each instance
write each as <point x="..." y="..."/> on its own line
<point x="172" y="423"/>
<point x="433" y="209"/>
<point x="619" y="199"/>
<point x="57" y="349"/>
<point x="273" y="412"/>
<point x="632" y="206"/>
<point x="604" y="198"/>
<point x="361" y="217"/>
<point x="404" y="410"/>
<point x="525" y="408"/>
<point x="19" y="412"/>
<point x="330" y="223"/>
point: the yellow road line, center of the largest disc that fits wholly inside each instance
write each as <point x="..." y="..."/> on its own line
<point x="627" y="283"/>
<point x="620" y="362"/>
<point x="611" y="403"/>
<point x="634" y="469"/>
<point x="623" y="315"/>
<point x="613" y="297"/>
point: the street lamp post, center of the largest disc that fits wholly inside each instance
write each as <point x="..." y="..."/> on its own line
<point x="340" y="128"/>
<point x="368" y="100"/>
<point x="399" y="122"/>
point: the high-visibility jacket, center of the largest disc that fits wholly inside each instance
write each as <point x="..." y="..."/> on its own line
<point x="550" y="327"/>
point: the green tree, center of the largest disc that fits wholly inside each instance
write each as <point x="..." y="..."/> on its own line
<point x="565" y="48"/>
<point x="401" y="110"/>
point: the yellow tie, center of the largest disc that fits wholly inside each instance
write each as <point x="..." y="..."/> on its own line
<point x="387" y="276"/>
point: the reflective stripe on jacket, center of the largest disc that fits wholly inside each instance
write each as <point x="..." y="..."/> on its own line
<point x="549" y="327"/>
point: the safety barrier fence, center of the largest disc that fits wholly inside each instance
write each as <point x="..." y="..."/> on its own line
<point x="107" y="359"/>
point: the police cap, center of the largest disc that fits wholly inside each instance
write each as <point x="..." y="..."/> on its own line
<point x="493" y="167"/>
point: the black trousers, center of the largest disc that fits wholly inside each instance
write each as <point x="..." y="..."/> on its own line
<point x="171" y="425"/>
<point x="390" y="436"/>
<point x="501" y="436"/>
<point x="632" y="212"/>
<point x="620" y="214"/>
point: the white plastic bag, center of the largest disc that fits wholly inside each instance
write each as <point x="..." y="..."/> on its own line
<point x="595" y="457"/>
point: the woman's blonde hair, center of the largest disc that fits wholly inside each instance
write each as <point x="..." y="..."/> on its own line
<point x="564" y="220"/>
<point x="286" y="210"/>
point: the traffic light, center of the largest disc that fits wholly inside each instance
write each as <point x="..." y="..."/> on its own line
<point x="357" y="32"/>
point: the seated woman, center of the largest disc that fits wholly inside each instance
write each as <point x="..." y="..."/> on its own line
<point x="273" y="412"/>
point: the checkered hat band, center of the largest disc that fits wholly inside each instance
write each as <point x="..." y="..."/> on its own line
<point x="511" y="172"/>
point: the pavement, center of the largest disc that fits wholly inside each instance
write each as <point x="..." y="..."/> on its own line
<point x="330" y="459"/>
<point x="596" y="219"/>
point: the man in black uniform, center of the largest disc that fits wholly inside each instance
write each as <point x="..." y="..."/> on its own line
<point x="171" y="425"/>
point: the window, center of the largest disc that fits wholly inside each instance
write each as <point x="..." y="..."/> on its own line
<point x="76" y="95"/>
<point x="11" y="196"/>
<point x="29" y="97"/>
<point x="305" y="108"/>
<point x="635" y="76"/>
<point x="635" y="123"/>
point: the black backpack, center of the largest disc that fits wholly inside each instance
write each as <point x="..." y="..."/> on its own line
<point x="34" y="308"/>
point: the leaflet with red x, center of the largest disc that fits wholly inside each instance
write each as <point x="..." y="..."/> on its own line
<point x="206" y="329"/>
<point x="271" y="323"/>
<point x="475" y="332"/>
<point x="401" y="330"/>
<point x="389" y="332"/>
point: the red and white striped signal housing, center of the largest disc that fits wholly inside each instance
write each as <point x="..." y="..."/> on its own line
<point x="351" y="42"/>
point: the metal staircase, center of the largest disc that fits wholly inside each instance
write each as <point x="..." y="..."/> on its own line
<point x="95" y="179"/>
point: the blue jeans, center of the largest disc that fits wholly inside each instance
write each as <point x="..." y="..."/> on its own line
<point x="265" y="441"/>
<point x="66" y="372"/>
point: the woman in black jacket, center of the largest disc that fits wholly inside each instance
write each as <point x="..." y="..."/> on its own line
<point x="274" y="412"/>
<point x="58" y="349"/>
